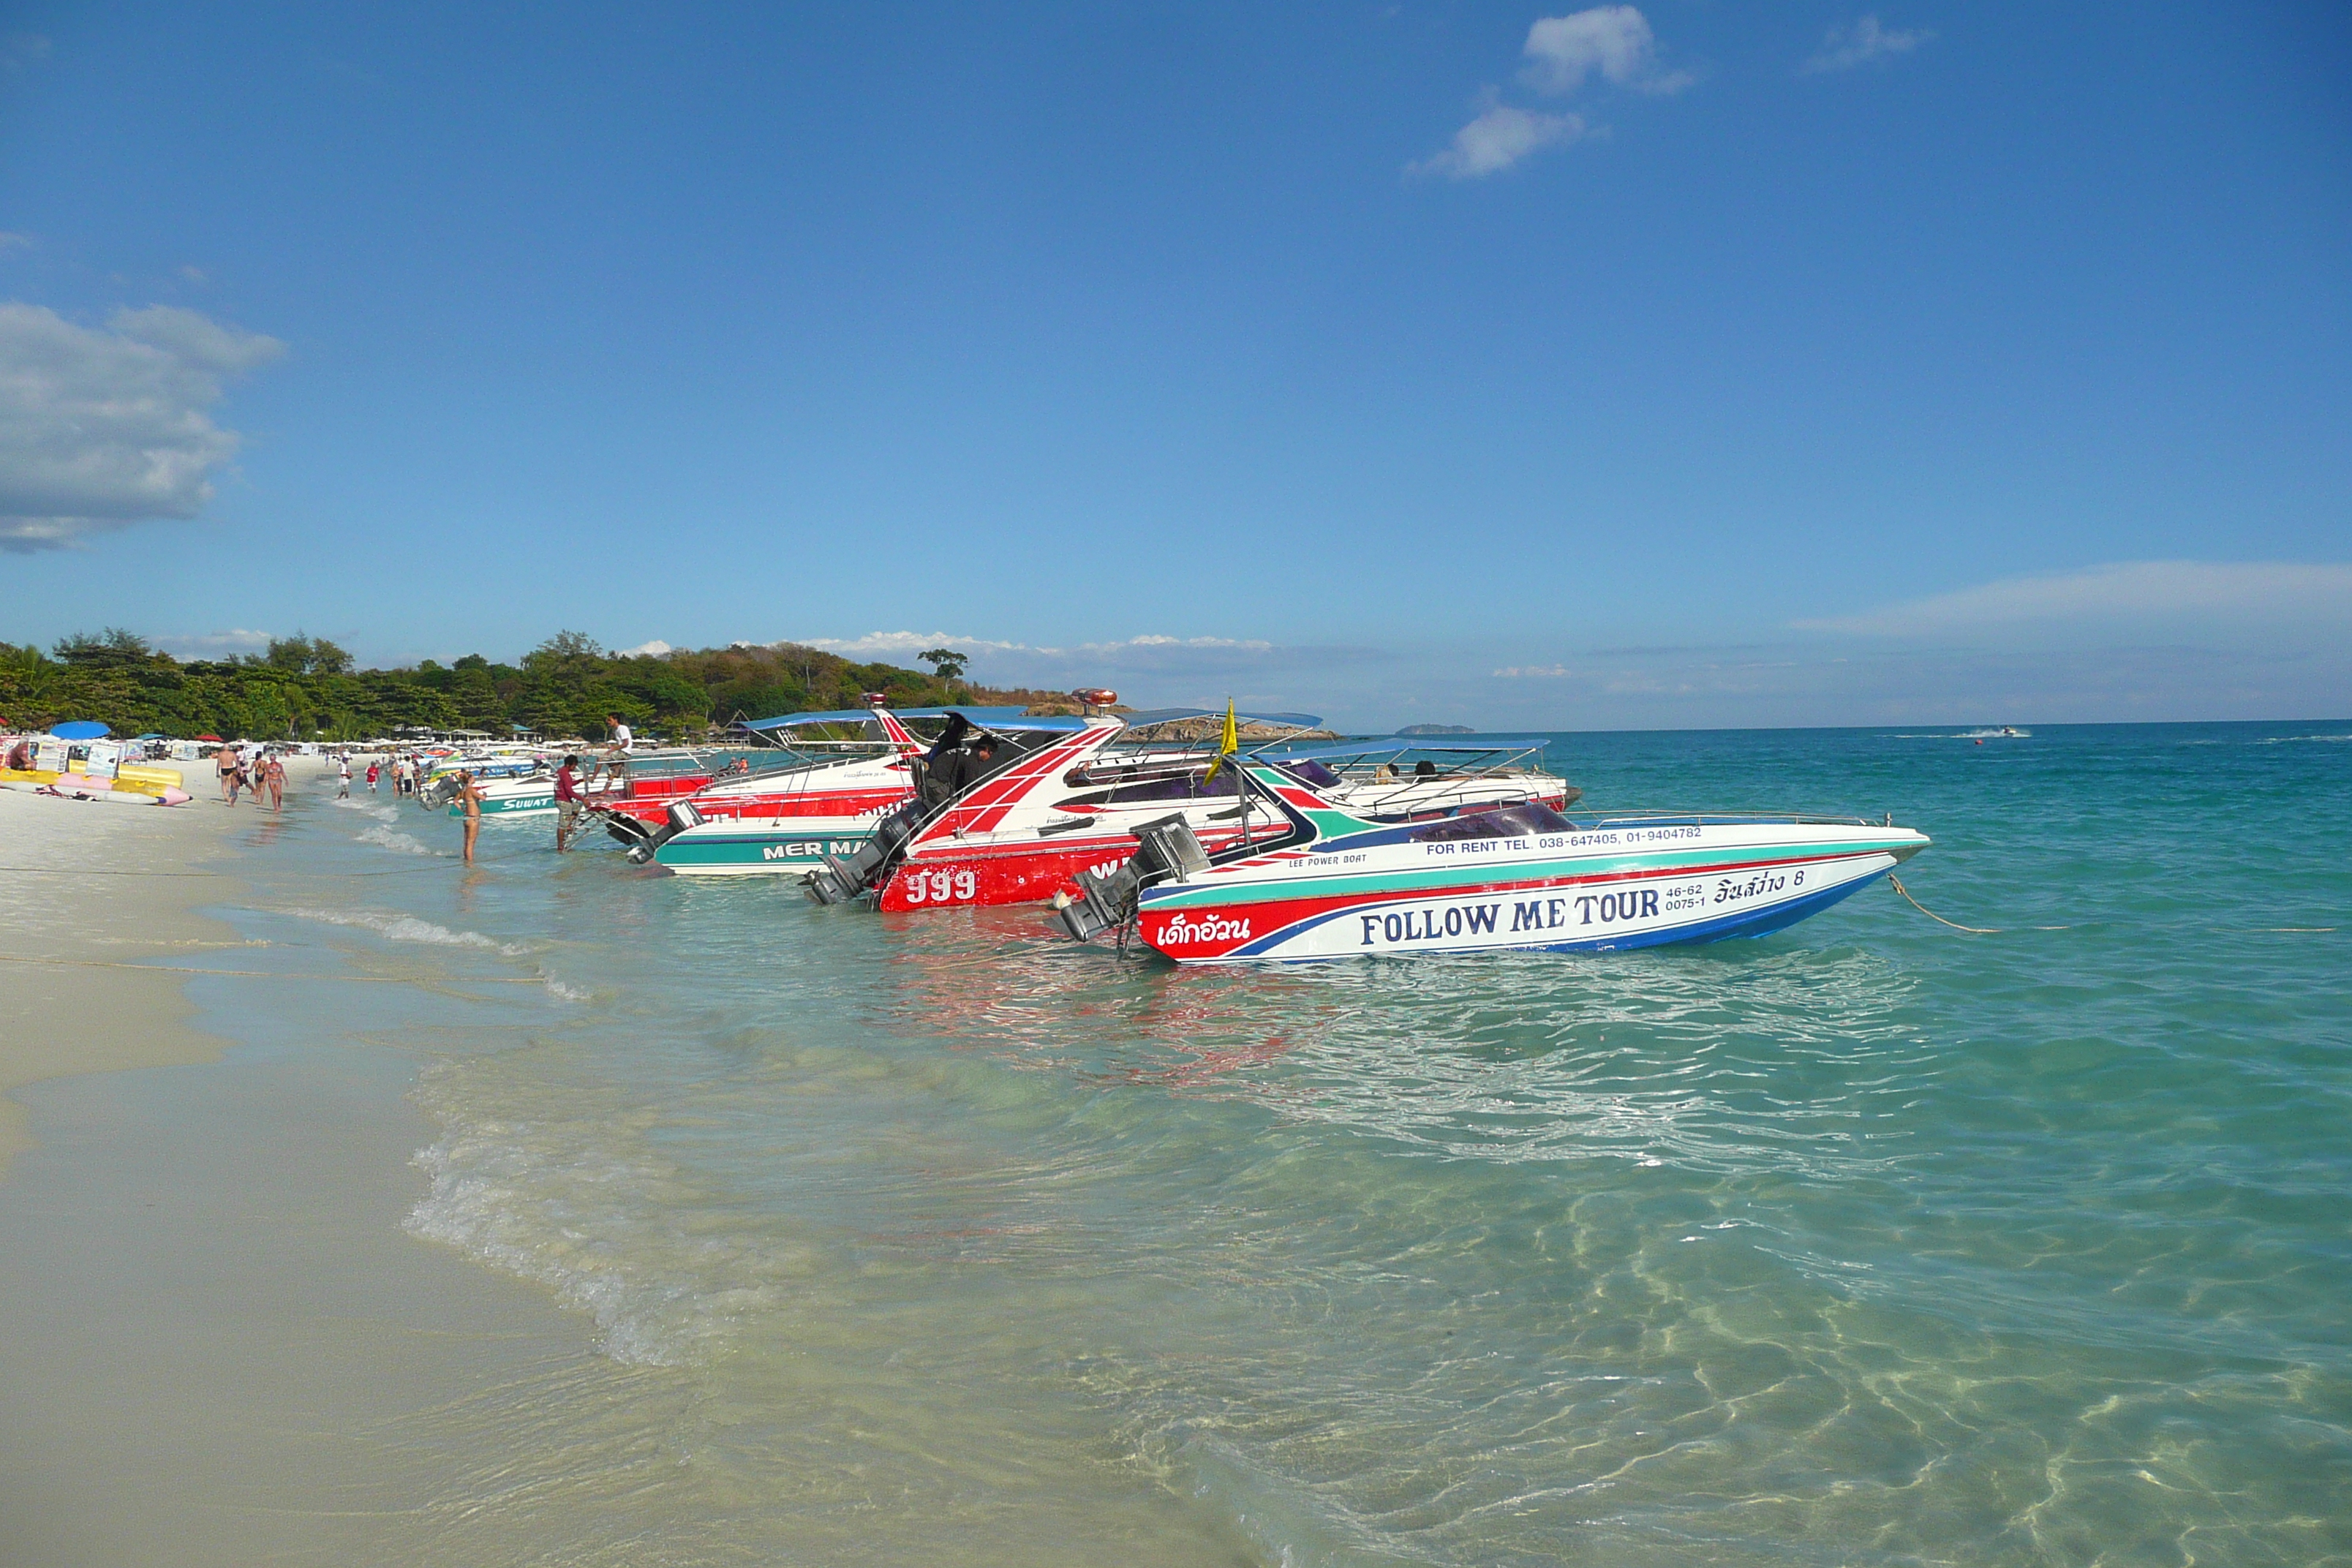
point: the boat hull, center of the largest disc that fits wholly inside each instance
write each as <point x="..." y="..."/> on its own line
<point x="770" y="846"/>
<point x="1021" y="872"/>
<point x="1017" y="864"/>
<point x="1536" y="900"/>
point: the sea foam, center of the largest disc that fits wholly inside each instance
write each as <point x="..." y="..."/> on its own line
<point x="393" y="839"/>
<point x="409" y="928"/>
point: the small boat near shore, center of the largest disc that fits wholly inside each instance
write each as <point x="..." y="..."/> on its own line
<point x="1515" y="877"/>
<point x="789" y="819"/>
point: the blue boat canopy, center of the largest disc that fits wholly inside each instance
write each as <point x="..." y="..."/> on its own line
<point x="986" y="718"/>
<point x="1170" y="715"/>
<point x="1014" y="719"/>
<point x="792" y="721"/>
<point x="81" y="729"/>
<point x="1399" y="745"/>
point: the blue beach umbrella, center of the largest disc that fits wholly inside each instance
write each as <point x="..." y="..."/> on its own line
<point x="81" y="729"/>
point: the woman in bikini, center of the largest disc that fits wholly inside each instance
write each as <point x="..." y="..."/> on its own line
<point x="471" y="799"/>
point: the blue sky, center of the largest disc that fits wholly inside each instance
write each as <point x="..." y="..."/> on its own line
<point x="1680" y="364"/>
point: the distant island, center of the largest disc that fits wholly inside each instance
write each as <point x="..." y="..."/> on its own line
<point x="1437" y="730"/>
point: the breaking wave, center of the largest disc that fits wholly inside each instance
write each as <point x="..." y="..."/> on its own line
<point x="393" y="839"/>
<point x="409" y="928"/>
<point x="566" y="1202"/>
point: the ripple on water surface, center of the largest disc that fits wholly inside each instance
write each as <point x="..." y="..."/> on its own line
<point x="1870" y="1242"/>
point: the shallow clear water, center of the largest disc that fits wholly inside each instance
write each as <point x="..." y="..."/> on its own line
<point x="930" y="1238"/>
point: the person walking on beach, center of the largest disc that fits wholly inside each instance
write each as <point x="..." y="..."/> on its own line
<point x="470" y="798"/>
<point x="226" y="760"/>
<point x="344" y="782"/>
<point x="569" y="806"/>
<point x="273" y="773"/>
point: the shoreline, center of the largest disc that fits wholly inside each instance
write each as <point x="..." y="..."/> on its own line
<point x="102" y="895"/>
<point x="224" y="1346"/>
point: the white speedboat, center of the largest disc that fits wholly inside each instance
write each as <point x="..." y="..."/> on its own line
<point x="1336" y="885"/>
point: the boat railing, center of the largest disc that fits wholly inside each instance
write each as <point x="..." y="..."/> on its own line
<point x="1588" y="821"/>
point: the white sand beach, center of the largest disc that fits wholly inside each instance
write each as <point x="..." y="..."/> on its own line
<point x="221" y="1347"/>
<point x="101" y="894"/>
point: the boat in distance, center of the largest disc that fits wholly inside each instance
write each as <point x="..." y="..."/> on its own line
<point x="1518" y="876"/>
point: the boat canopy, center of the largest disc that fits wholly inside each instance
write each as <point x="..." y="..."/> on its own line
<point x="81" y="730"/>
<point x="1006" y="718"/>
<point x="1151" y="717"/>
<point x="1395" y="745"/>
<point x="986" y="718"/>
<point x="794" y="721"/>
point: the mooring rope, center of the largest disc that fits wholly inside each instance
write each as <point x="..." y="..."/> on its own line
<point x="1897" y="883"/>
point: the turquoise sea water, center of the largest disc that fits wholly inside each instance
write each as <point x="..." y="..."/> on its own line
<point x="931" y="1238"/>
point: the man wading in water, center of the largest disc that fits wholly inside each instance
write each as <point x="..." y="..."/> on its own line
<point x="568" y="803"/>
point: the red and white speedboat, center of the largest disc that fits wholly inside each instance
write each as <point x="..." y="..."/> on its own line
<point x="1023" y="833"/>
<point x="827" y="770"/>
<point x="849" y="770"/>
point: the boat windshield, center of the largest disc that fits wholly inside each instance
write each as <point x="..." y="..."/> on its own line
<point x="1309" y="772"/>
<point x="1518" y="821"/>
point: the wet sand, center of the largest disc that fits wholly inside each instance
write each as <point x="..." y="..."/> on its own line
<point x="222" y="1348"/>
<point x="98" y="893"/>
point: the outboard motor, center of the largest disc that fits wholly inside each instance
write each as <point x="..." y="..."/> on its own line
<point x="626" y="830"/>
<point x="844" y="879"/>
<point x="1166" y="852"/>
<point x="439" y="793"/>
<point x="642" y="840"/>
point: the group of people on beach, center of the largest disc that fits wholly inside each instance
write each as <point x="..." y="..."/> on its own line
<point x="248" y="768"/>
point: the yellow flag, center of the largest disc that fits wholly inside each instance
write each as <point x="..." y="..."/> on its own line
<point x="1230" y="742"/>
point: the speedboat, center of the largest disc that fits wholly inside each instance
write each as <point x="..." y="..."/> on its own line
<point x="1336" y="885"/>
<point x="1022" y="834"/>
<point x="789" y="819"/>
<point x="523" y="785"/>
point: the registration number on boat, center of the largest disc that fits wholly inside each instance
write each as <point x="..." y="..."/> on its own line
<point x="941" y="886"/>
<point x="1731" y="889"/>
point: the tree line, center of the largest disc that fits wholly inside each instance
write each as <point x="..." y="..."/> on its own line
<point x="305" y="687"/>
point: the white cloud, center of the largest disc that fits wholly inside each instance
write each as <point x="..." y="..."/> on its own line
<point x="10" y="241"/>
<point x="1614" y="40"/>
<point x="878" y="644"/>
<point x="1496" y="139"/>
<point x="1534" y="671"/>
<point x="2275" y="595"/>
<point x="100" y="429"/>
<point x="215" y="645"/>
<point x="652" y="650"/>
<point x="18" y="50"/>
<point x="1846" y="47"/>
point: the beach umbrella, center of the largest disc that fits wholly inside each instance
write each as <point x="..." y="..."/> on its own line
<point x="81" y="729"/>
<point x="214" y="739"/>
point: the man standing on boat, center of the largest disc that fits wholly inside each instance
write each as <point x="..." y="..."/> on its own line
<point x="625" y="741"/>
<point x="568" y="803"/>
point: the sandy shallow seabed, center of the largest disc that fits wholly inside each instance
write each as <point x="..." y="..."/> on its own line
<point x="75" y="1016"/>
<point x="219" y="1347"/>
